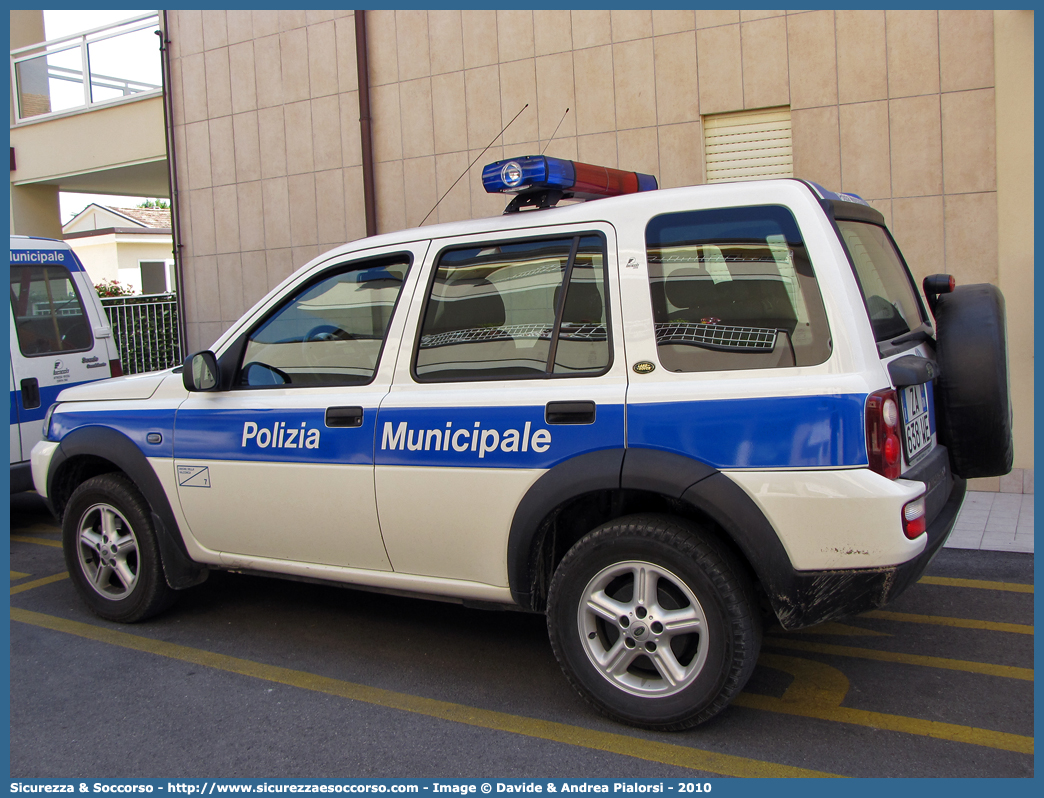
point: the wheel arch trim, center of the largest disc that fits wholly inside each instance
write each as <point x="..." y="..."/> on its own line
<point x="109" y="444"/>
<point x="683" y="478"/>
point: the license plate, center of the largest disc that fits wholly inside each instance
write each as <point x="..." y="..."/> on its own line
<point x="917" y="426"/>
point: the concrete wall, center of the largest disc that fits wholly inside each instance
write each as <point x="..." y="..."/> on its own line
<point x="267" y="136"/>
<point x="906" y="108"/>
<point x="34" y="209"/>
<point x="117" y="149"/>
<point x="107" y="138"/>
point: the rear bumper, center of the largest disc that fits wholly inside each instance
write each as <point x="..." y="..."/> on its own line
<point x="812" y="597"/>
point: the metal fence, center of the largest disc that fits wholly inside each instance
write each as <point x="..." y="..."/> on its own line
<point x="146" y="331"/>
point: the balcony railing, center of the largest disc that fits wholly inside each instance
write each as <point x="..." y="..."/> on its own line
<point x="119" y="61"/>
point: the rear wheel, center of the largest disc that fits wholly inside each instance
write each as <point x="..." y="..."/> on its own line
<point x="111" y="552"/>
<point x="653" y="622"/>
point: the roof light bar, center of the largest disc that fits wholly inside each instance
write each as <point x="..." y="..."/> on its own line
<point x="579" y="180"/>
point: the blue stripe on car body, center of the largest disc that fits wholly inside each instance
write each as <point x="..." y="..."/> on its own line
<point x="776" y="432"/>
<point x="135" y="424"/>
<point x="270" y="435"/>
<point x="490" y="437"/>
<point x="780" y="432"/>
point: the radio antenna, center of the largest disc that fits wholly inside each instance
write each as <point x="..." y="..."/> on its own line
<point x="560" y="121"/>
<point x="448" y="190"/>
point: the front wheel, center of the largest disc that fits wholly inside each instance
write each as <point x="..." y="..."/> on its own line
<point x="111" y="552"/>
<point x="653" y="622"/>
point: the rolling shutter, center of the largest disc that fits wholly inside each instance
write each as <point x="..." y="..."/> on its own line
<point x="748" y="145"/>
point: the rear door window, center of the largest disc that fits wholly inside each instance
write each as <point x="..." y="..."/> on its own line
<point x="733" y="288"/>
<point x="517" y="310"/>
<point x="48" y="311"/>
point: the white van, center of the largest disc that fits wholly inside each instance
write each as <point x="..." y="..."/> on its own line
<point x="60" y="337"/>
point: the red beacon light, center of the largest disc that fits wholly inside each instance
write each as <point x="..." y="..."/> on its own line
<point x="540" y="181"/>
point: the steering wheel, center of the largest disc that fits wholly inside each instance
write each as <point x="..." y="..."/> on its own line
<point x="328" y="332"/>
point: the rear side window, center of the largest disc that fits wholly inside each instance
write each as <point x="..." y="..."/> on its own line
<point x="733" y="288"/>
<point x="891" y="299"/>
<point x="516" y="310"/>
<point x="48" y="311"/>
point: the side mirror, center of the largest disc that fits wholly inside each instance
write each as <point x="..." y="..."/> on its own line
<point x="201" y="372"/>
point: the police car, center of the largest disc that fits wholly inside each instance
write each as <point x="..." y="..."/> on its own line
<point x="663" y="418"/>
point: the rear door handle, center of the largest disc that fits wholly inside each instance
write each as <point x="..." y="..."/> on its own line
<point x="344" y="416"/>
<point x="569" y="413"/>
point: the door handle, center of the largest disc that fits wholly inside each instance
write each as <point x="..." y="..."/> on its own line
<point x="30" y="393"/>
<point x="344" y="416"/>
<point x="569" y="413"/>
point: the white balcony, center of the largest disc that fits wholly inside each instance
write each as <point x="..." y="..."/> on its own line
<point x="87" y="112"/>
<point x="112" y="64"/>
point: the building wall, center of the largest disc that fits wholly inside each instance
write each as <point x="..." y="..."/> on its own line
<point x="266" y="112"/>
<point x="900" y="107"/>
<point x="34" y="209"/>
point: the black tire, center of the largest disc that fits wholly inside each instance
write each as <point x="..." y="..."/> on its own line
<point x="972" y="395"/>
<point x="119" y="576"/>
<point x="694" y="578"/>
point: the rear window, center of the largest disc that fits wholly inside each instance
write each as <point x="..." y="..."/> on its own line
<point x="48" y="312"/>
<point x="733" y="288"/>
<point x="890" y="295"/>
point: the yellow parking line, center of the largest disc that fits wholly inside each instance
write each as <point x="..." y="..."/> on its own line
<point x="1006" y="671"/>
<point x="1011" y="587"/>
<point x="33" y="539"/>
<point x="18" y="575"/>
<point x="817" y="693"/>
<point x="941" y="620"/>
<point x="836" y="630"/>
<point x="54" y="528"/>
<point x="47" y="580"/>
<point x="665" y="753"/>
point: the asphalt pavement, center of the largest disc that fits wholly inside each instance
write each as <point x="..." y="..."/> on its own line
<point x="255" y="677"/>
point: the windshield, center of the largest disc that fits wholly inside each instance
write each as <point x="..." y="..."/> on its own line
<point x="891" y="298"/>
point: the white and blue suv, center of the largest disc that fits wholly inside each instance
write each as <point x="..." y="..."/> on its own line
<point x="662" y="418"/>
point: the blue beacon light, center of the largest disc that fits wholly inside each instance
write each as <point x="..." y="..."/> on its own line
<point x="534" y="173"/>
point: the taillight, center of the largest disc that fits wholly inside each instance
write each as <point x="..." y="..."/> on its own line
<point x="914" y="520"/>
<point x="115" y="369"/>
<point x="883" y="449"/>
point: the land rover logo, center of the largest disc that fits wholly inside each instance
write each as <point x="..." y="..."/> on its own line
<point x="643" y="367"/>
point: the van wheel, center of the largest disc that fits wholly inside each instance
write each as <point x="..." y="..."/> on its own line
<point x="972" y="400"/>
<point x="653" y="622"/>
<point x="111" y="552"/>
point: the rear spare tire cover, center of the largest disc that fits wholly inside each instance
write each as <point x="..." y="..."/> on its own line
<point x="972" y="394"/>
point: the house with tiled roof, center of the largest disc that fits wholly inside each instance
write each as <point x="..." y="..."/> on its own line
<point x="133" y="246"/>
